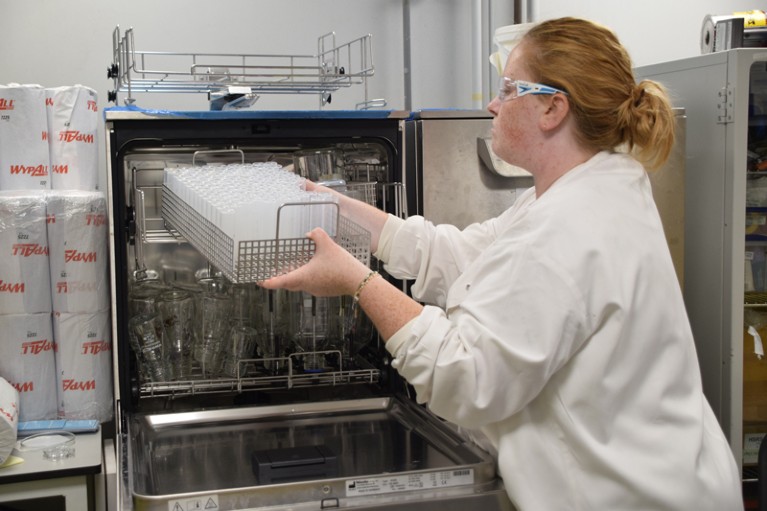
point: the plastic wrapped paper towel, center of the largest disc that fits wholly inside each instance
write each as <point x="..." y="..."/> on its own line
<point x="505" y="39"/>
<point x="24" y="280"/>
<point x="78" y="244"/>
<point x="72" y="114"/>
<point x="9" y="418"/>
<point x="24" y="152"/>
<point x="28" y="363"/>
<point x="83" y="365"/>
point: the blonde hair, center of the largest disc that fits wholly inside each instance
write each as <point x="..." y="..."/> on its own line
<point x="611" y="110"/>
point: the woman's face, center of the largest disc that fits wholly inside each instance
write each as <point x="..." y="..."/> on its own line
<point x="514" y="124"/>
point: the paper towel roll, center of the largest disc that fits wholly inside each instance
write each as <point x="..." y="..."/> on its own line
<point x="73" y="127"/>
<point x="83" y="365"/>
<point x="711" y="37"/>
<point x="28" y="363"/>
<point x="25" y="286"/>
<point x="505" y="39"/>
<point x="24" y="153"/>
<point x="9" y="418"/>
<point x="77" y="241"/>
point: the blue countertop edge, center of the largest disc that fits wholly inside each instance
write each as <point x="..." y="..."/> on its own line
<point x="428" y="113"/>
<point x="265" y="114"/>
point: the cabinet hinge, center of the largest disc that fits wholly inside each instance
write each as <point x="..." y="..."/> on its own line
<point x="724" y="105"/>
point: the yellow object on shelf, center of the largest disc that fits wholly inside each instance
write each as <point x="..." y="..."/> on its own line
<point x="12" y="460"/>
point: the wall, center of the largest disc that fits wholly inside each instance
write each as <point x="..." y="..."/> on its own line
<point x="47" y="42"/>
<point x="59" y="44"/>
<point x="653" y="31"/>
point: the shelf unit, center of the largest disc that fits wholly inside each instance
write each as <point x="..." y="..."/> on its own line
<point x="234" y="80"/>
<point x="724" y="95"/>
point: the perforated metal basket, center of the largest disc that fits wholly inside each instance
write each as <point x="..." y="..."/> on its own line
<point x="254" y="260"/>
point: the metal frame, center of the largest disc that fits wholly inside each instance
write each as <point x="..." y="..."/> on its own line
<point x="332" y="67"/>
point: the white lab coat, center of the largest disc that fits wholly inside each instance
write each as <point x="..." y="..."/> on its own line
<point x="559" y="329"/>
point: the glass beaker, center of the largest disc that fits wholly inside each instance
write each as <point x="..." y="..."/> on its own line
<point x="142" y="297"/>
<point x="312" y="334"/>
<point x="321" y="164"/>
<point x="240" y="345"/>
<point x="176" y="308"/>
<point x="145" y="334"/>
<point x="215" y="314"/>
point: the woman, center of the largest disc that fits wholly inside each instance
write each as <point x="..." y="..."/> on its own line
<point x="558" y="328"/>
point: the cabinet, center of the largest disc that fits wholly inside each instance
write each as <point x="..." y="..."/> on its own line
<point x="725" y="98"/>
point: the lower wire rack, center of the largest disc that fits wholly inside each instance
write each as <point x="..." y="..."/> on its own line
<point x="252" y="376"/>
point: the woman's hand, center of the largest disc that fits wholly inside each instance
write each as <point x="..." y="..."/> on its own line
<point x="332" y="270"/>
<point x="311" y="186"/>
<point x="365" y="215"/>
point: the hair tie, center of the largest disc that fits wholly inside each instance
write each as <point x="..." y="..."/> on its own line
<point x="639" y="98"/>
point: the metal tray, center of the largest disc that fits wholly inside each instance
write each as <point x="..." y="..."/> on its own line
<point x="323" y="455"/>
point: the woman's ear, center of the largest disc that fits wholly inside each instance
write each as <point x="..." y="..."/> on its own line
<point x="555" y="113"/>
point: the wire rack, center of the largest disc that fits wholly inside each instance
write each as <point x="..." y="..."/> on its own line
<point x="254" y="260"/>
<point x="332" y="67"/>
<point x="755" y="299"/>
<point x="366" y="192"/>
<point x="248" y="379"/>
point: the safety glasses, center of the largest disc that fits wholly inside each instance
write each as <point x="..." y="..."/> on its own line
<point x="509" y="89"/>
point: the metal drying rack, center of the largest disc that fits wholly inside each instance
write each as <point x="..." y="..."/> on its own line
<point x="235" y="80"/>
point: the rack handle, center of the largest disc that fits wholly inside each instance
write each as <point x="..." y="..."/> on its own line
<point x="218" y="151"/>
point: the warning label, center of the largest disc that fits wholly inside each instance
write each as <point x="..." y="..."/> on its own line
<point x="393" y="484"/>
<point x="204" y="503"/>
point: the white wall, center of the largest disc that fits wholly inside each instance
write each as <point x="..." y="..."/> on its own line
<point x="57" y="43"/>
<point x="654" y="30"/>
<point x="54" y="43"/>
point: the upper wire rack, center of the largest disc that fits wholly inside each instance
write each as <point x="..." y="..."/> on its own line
<point x="332" y="67"/>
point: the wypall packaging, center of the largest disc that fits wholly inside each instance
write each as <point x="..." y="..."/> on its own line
<point x="78" y="244"/>
<point x="9" y="418"/>
<point x="27" y="362"/>
<point x="505" y="39"/>
<point x="83" y="365"/>
<point x="24" y="281"/>
<point x="24" y="152"/>
<point x="72" y="115"/>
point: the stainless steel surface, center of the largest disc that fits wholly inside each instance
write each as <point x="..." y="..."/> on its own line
<point x="458" y="188"/>
<point x="494" y="163"/>
<point x="376" y="441"/>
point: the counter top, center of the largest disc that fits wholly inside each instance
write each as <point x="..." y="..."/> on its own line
<point x="86" y="461"/>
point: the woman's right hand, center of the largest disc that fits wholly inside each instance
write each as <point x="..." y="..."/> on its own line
<point x="332" y="271"/>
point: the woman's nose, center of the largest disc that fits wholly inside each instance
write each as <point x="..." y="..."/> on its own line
<point x="492" y="107"/>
